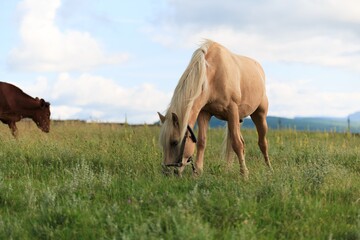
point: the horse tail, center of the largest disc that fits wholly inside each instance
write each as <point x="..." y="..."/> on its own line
<point x="227" y="146"/>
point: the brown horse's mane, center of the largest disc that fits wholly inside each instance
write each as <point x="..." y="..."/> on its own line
<point x="189" y="87"/>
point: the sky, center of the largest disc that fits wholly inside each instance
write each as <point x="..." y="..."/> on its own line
<point x="120" y="60"/>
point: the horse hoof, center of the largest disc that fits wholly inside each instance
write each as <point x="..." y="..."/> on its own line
<point x="244" y="174"/>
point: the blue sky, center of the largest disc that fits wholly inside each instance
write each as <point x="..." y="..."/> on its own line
<point x="107" y="60"/>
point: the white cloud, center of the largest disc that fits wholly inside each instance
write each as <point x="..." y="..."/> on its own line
<point x="301" y="99"/>
<point x="313" y="32"/>
<point x="347" y="10"/>
<point x="92" y="97"/>
<point x="45" y="47"/>
<point x="92" y="89"/>
<point x="61" y="112"/>
<point x="318" y="50"/>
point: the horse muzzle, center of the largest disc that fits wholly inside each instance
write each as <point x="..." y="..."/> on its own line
<point x="167" y="167"/>
<point x="179" y="164"/>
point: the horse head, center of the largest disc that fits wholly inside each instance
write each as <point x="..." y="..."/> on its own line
<point x="42" y="115"/>
<point x="177" y="148"/>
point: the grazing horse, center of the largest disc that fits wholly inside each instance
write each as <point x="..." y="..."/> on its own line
<point x="215" y="83"/>
<point x="15" y="105"/>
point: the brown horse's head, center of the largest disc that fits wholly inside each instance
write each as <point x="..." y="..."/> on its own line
<point x="177" y="148"/>
<point x="42" y="115"/>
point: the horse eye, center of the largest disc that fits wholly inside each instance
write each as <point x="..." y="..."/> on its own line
<point x="174" y="143"/>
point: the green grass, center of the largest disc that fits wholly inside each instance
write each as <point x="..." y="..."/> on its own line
<point x="104" y="181"/>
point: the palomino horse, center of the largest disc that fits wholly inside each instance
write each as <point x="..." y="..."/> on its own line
<point x="215" y="83"/>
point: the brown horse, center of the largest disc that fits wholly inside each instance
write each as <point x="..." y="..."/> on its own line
<point x="215" y="83"/>
<point x="15" y="105"/>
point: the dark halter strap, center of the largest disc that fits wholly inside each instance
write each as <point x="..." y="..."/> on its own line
<point x="192" y="135"/>
<point x="179" y="158"/>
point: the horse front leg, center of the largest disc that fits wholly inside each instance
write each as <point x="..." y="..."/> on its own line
<point x="203" y="123"/>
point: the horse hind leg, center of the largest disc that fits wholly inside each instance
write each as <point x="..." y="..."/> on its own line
<point x="237" y="141"/>
<point x="243" y="143"/>
<point x="227" y="145"/>
<point x="259" y="119"/>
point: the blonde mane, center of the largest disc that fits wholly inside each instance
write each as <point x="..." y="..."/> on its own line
<point x="192" y="82"/>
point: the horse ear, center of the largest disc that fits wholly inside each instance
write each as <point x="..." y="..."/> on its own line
<point x="162" y="117"/>
<point x="42" y="103"/>
<point x="175" y="120"/>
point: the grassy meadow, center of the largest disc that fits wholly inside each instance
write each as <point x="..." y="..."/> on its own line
<point x="104" y="181"/>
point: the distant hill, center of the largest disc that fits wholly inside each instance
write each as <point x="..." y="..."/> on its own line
<point x="355" y="116"/>
<point x="302" y="123"/>
<point x="328" y="124"/>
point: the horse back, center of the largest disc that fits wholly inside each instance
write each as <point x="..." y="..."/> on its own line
<point x="13" y="101"/>
<point x="234" y="78"/>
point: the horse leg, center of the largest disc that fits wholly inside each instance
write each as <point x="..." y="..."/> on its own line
<point x="13" y="128"/>
<point x="243" y="142"/>
<point x="237" y="141"/>
<point x="203" y="123"/>
<point x="259" y="119"/>
<point x="228" y="147"/>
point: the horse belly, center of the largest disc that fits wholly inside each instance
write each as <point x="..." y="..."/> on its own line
<point x="245" y="110"/>
<point x="216" y="109"/>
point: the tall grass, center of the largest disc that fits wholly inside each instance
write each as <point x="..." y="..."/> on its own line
<point x="104" y="181"/>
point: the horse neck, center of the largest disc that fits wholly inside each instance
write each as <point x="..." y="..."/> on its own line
<point x="28" y="113"/>
<point x="29" y="105"/>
